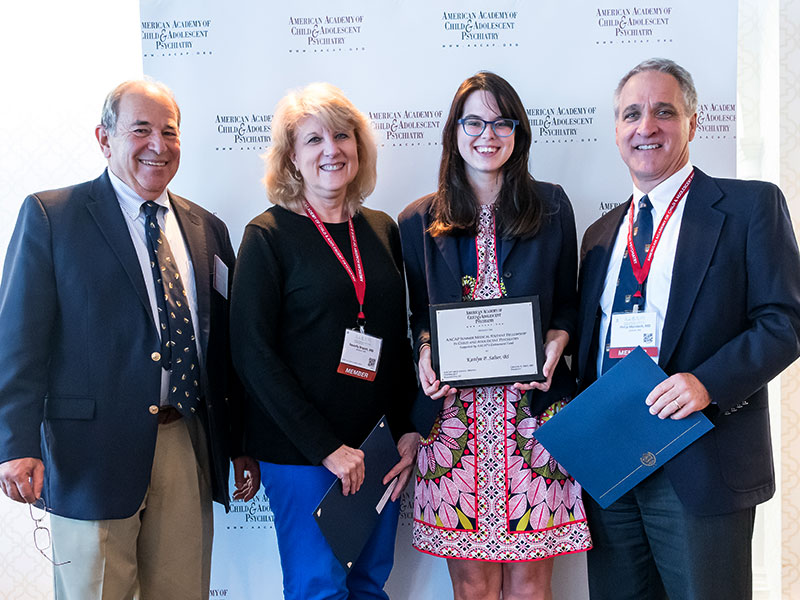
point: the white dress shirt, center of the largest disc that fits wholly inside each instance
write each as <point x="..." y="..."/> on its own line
<point x="131" y="204"/>
<point x="660" y="278"/>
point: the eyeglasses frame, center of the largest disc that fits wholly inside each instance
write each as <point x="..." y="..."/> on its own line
<point x="462" y="121"/>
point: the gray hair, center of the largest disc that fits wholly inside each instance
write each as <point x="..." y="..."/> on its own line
<point x="662" y="65"/>
<point x="108" y="118"/>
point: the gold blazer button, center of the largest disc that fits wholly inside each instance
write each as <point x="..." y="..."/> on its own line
<point x="153" y="409"/>
<point x="156" y="356"/>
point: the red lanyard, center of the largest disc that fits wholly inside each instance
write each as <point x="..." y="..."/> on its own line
<point x="359" y="282"/>
<point x="641" y="271"/>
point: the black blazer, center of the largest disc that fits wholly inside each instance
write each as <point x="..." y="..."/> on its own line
<point x="543" y="265"/>
<point x="77" y="337"/>
<point x="733" y="321"/>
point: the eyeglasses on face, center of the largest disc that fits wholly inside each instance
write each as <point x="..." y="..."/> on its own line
<point x="474" y="126"/>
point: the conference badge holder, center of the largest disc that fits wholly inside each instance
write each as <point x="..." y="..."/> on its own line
<point x="361" y="353"/>
<point x="632" y="329"/>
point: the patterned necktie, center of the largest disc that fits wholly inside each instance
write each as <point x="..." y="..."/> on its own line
<point x="178" y="346"/>
<point x="629" y="293"/>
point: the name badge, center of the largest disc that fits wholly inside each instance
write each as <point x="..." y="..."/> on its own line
<point x="629" y="330"/>
<point x="220" y="276"/>
<point x="360" y="355"/>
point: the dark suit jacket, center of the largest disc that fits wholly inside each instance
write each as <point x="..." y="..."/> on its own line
<point x="77" y="381"/>
<point x="543" y="265"/>
<point x="732" y="320"/>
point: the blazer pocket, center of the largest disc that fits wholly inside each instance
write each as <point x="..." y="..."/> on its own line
<point x="743" y="448"/>
<point x="69" y="407"/>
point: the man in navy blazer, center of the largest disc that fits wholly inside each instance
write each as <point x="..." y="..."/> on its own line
<point x="85" y="430"/>
<point x="724" y="292"/>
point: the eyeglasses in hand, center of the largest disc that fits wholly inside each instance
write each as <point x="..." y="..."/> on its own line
<point x="474" y="126"/>
<point x="41" y="534"/>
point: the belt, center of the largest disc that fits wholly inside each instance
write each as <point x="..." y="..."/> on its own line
<point x="168" y="414"/>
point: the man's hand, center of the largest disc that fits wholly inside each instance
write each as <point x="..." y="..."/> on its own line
<point x="22" y="479"/>
<point x="407" y="447"/>
<point x="678" y="396"/>
<point x="246" y="477"/>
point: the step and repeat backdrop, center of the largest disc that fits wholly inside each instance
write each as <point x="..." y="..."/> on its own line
<point x="400" y="62"/>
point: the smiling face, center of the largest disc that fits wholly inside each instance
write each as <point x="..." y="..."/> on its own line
<point x="485" y="154"/>
<point x="145" y="149"/>
<point x="327" y="160"/>
<point x="653" y="129"/>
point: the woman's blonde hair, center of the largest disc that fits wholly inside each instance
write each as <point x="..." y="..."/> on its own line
<point x="327" y="103"/>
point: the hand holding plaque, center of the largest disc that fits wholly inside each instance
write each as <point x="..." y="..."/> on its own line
<point x="487" y="342"/>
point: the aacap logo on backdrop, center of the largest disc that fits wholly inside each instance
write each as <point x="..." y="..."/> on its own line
<point x="486" y="27"/>
<point x="563" y="123"/>
<point x="407" y="127"/>
<point x="634" y="23"/>
<point x="326" y="33"/>
<point x="250" y="131"/>
<point x="716" y="120"/>
<point x="176" y="37"/>
<point x="255" y="514"/>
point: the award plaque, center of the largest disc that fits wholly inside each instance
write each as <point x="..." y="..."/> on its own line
<point x="487" y="342"/>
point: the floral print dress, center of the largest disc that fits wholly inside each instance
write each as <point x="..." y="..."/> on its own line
<point x="485" y="488"/>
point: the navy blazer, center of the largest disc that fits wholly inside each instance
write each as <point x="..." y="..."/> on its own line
<point x="77" y="382"/>
<point x="543" y="265"/>
<point x="733" y="321"/>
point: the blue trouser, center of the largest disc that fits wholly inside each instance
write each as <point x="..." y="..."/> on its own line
<point x="310" y="569"/>
<point x="648" y="547"/>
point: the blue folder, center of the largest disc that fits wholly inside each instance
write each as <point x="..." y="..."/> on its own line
<point x="347" y="522"/>
<point x="606" y="437"/>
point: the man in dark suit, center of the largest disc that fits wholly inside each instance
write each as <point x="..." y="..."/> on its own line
<point x="117" y="397"/>
<point x="715" y="277"/>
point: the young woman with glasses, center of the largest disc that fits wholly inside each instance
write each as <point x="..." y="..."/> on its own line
<point x="488" y="497"/>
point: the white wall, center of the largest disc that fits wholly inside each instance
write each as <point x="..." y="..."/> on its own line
<point x="58" y="61"/>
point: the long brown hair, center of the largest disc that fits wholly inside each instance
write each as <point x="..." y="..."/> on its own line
<point x="518" y="210"/>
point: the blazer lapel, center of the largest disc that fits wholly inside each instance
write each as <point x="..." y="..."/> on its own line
<point x="594" y="270"/>
<point x="506" y="246"/>
<point x="195" y="236"/>
<point x="104" y="208"/>
<point x="448" y="248"/>
<point x="700" y="229"/>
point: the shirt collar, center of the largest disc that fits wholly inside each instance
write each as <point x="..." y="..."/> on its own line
<point x="661" y="195"/>
<point x="130" y="201"/>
